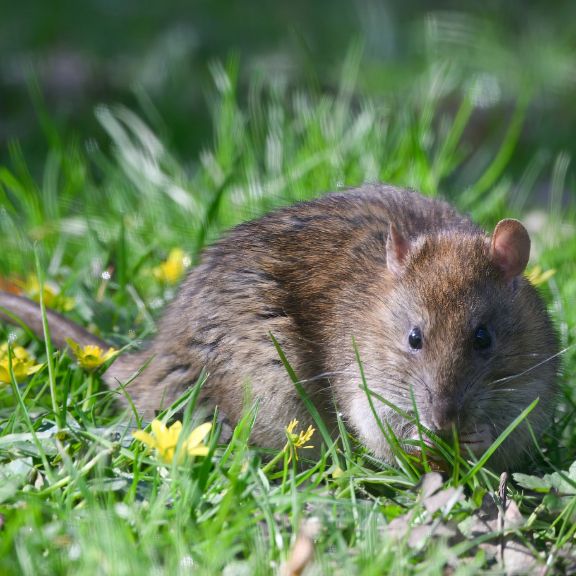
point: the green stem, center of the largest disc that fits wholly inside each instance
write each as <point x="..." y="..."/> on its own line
<point x="88" y="397"/>
<point x="274" y="460"/>
<point x="48" y="342"/>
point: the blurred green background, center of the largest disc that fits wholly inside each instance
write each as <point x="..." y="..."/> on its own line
<point x="60" y="59"/>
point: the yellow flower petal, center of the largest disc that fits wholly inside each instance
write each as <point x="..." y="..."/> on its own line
<point x="537" y="276"/>
<point x="198" y="451"/>
<point x="338" y="473"/>
<point x="4" y="375"/>
<point x="74" y="346"/>
<point x="164" y="440"/>
<point x="159" y="429"/>
<point x="198" y="434"/>
<point x="172" y="269"/>
<point x="33" y="369"/>
<point x="167" y="455"/>
<point x="291" y="426"/>
<point x="297" y="441"/>
<point x="145" y="438"/>
<point x="23" y="364"/>
<point x="51" y="294"/>
<point x="90" y="357"/>
<point x="176" y="428"/>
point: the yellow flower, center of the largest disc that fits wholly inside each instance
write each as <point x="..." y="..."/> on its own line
<point x="537" y="276"/>
<point x="337" y="473"/>
<point x="194" y="444"/>
<point x="164" y="440"/>
<point x="171" y="270"/>
<point x="22" y="364"/>
<point x="90" y="357"/>
<point x="297" y="441"/>
<point x="52" y="296"/>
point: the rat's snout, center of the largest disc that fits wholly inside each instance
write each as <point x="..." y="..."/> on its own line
<point x="443" y="414"/>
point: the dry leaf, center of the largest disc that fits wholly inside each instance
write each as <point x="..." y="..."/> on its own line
<point x="445" y="498"/>
<point x="420" y="534"/>
<point x="512" y="555"/>
<point x="398" y="528"/>
<point x="303" y="550"/>
<point x="431" y="483"/>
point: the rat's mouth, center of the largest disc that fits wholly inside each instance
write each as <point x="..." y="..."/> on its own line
<point x="477" y="442"/>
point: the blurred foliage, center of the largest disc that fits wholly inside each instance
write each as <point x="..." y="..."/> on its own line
<point x="66" y="57"/>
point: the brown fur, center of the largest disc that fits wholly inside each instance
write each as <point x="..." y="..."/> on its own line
<point x="317" y="274"/>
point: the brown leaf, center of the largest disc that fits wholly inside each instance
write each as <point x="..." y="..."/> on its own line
<point x="518" y="559"/>
<point x="419" y="534"/>
<point x="512" y="555"/>
<point x="431" y="483"/>
<point x="484" y="521"/>
<point x="449" y="496"/>
<point x="512" y="516"/>
<point x="515" y="558"/>
<point x="398" y="528"/>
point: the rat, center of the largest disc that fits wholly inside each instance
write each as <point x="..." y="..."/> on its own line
<point x="448" y="331"/>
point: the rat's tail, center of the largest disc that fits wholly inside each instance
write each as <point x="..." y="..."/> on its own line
<point x="16" y="310"/>
<point x="159" y="385"/>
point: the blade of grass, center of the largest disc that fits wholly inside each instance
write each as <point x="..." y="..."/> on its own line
<point x="331" y="446"/>
<point x="59" y="415"/>
<point x="504" y="434"/>
<point x="29" y="424"/>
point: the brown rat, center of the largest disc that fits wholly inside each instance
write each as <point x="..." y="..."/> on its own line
<point x="440" y="313"/>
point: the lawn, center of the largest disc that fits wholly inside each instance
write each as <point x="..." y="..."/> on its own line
<point x="110" y="229"/>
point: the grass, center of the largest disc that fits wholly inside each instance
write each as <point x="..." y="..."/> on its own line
<point x="77" y="495"/>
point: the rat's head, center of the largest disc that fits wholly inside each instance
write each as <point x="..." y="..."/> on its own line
<point x="464" y="338"/>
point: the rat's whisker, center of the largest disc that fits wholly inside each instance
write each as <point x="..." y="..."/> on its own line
<point x="533" y="367"/>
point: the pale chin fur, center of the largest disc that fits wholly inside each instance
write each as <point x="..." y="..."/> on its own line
<point x="367" y="427"/>
<point x="365" y="424"/>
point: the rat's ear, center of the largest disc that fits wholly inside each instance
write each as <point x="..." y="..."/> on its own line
<point x="397" y="247"/>
<point x="510" y="247"/>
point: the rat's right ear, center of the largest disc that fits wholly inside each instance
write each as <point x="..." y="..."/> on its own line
<point x="397" y="248"/>
<point x="510" y="247"/>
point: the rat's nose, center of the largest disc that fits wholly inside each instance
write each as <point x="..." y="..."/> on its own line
<point x="443" y="415"/>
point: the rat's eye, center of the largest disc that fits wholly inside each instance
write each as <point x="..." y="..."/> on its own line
<point x="415" y="339"/>
<point x="482" y="338"/>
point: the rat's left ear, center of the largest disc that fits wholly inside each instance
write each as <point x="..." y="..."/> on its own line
<point x="510" y="247"/>
<point x="397" y="249"/>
